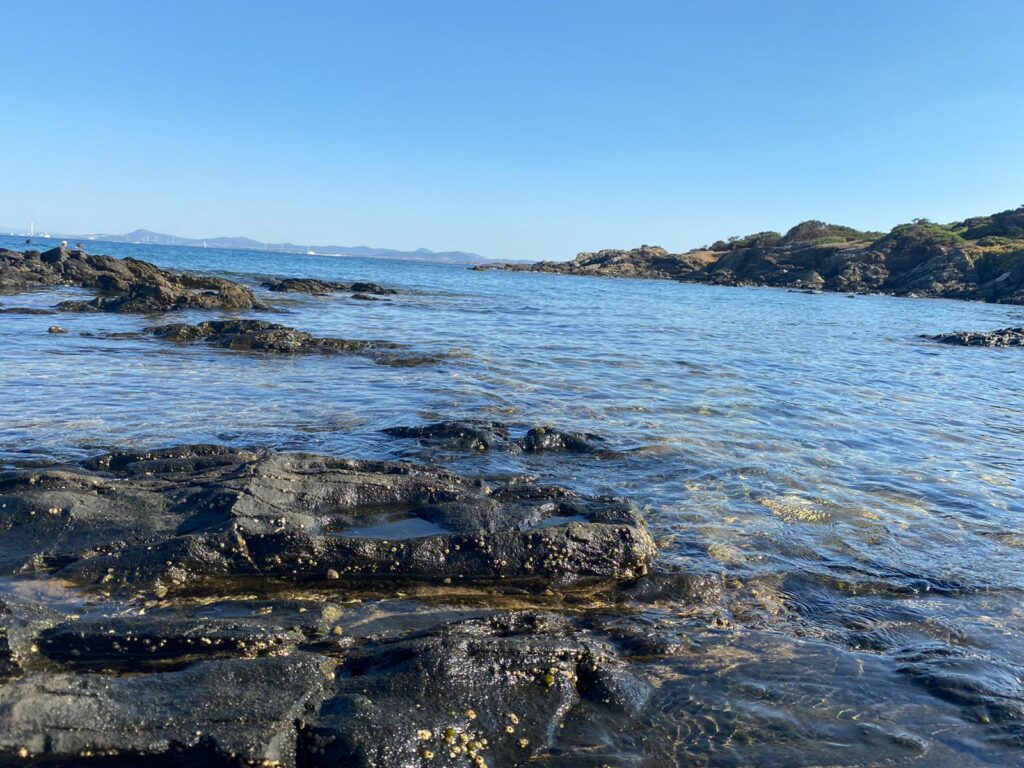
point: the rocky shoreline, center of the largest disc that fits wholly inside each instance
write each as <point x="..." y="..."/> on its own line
<point x="979" y="259"/>
<point x="210" y="605"/>
<point x="192" y="669"/>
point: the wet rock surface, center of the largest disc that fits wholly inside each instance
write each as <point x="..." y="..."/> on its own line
<point x="20" y="623"/>
<point x="186" y="517"/>
<point x="26" y="311"/>
<point x="259" y="335"/>
<point x="1004" y="337"/>
<point x="492" y="692"/>
<point x="123" y="285"/>
<point x="316" y="287"/>
<point x="168" y="658"/>
<point x="222" y="712"/>
<point x="262" y="336"/>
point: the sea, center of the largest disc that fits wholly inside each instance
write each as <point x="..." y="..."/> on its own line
<point x="858" y="489"/>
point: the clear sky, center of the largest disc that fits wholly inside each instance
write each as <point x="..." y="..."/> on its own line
<point x="513" y="129"/>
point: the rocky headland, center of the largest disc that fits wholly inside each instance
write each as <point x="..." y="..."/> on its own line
<point x="980" y="259"/>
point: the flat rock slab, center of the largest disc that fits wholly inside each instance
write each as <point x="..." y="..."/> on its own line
<point x="140" y="642"/>
<point x="26" y="311"/>
<point x="123" y="285"/>
<point x="20" y="622"/>
<point x="183" y="517"/>
<point x="1004" y="337"/>
<point x="261" y="336"/>
<point x="324" y="287"/>
<point x="177" y="634"/>
<point x="216" y="713"/>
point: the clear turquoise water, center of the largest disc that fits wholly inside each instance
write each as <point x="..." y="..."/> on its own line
<point x="860" y="489"/>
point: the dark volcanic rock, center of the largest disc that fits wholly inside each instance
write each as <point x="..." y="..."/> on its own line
<point x="1004" y="337"/>
<point x="304" y="285"/>
<point x="325" y="287"/>
<point x="216" y="713"/>
<point x="20" y="622"/>
<point x="132" y="643"/>
<point x="260" y="335"/>
<point x="647" y="261"/>
<point x="991" y="689"/>
<point x="545" y="439"/>
<point x="488" y="435"/>
<point x="456" y="435"/>
<point x="190" y="516"/>
<point x="27" y="311"/>
<point x="492" y="692"/>
<point x="123" y="285"/>
<point x="371" y="288"/>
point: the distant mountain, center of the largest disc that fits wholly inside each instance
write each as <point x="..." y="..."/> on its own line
<point x="246" y="243"/>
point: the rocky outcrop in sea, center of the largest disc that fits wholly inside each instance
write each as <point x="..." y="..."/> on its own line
<point x="1004" y="337"/>
<point x="123" y="285"/>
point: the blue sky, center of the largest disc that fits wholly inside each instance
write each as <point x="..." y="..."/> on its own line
<point x="517" y="129"/>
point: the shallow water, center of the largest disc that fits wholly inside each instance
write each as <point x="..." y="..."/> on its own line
<point x="861" y="490"/>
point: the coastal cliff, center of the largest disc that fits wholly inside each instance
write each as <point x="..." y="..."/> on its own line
<point x="981" y="259"/>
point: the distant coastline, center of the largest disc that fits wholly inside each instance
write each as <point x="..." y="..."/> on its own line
<point x="148" y="237"/>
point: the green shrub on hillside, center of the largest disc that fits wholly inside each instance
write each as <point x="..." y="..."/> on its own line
<point x="1008" y="223"/>
<point x="920" y="231"/>
<point x="757" y="240"/>
<point x="816" y="232"/>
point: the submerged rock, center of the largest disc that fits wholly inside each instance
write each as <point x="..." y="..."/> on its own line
<point x="304" y="285"/>
<point x="490" y="435"/>
<point x="1004" y="337"/>
<point x="261" y="336"/>
<point x="26" y="311"/>
<point x="990" y="689"/>
<point x="215" y="713"/>
<point x="545" y="439"/>
<point x="325" y="287"/>
<point x="456" y="435"/>
<point x="123" y="285"/>
<point x="190" y="516"/>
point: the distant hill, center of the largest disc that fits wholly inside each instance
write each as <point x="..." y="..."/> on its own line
<point x="246" y="243"/>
